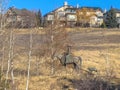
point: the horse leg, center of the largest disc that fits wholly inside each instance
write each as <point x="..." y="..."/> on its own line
<point x="76" y="67"/>
<point x="65" y="65"/>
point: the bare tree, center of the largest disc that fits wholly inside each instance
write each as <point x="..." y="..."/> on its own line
<point x="3" y="57"/>
<point x="2" y="40"/>
<point x="56" y="38"/>
<point x="12" y="60"/>
<point x="3" y="8"/>
<point x="29" y="59"/>
<point x="9" y="56"/>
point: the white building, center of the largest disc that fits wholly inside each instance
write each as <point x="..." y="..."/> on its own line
<point x="65" y="14"/>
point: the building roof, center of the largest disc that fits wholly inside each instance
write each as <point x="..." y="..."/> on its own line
<point x="66" y="6"/>
<point x="51" y="12"/>
<point x="73" y="8"/>
<point x="94" y="8"/>
<point x="116" y="10"/>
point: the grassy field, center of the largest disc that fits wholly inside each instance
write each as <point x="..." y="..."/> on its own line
<point x="98" y="48"/>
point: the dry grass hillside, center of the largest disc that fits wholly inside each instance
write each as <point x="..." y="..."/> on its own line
<point x="98" y="48"/>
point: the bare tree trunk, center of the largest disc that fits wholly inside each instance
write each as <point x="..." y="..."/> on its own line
<point x="1" y="21"/>
<point x="1" y="12"/>
<point x="4" y="39"/>
<point x="52" y="40"/>
<point x="12" y="74"/>
<point x="52" y="72"/>
<point x="9" y="56"/>
<point x="29" y="60"/>
<point x="12" y="62"/>
<point x="3" y="57"/>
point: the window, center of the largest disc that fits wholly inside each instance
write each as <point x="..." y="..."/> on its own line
<point x="71" y="18"/>
<point x="50" y="17"/>
<point x="117" y="14"/>
<point x="61" y="14"/>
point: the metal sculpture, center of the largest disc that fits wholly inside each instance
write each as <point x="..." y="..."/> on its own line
<point x="68" y="58"/>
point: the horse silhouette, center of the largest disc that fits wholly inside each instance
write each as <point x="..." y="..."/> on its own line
<point x="70" y="59"/>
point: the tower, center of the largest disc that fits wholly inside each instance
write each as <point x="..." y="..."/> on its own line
<point x="65" y="3"/>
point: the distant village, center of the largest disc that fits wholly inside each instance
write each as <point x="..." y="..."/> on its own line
<point x="66" y="15"/>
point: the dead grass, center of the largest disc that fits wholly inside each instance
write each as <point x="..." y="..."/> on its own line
<point x="91" y="58"/>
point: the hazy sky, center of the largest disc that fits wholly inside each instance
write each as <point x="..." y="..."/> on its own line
<point x="49" y="5"/>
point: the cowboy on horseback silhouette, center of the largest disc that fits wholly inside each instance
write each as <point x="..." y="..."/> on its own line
<point x="68" y="57"/>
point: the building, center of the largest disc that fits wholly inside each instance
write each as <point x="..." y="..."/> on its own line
<point x="117" y="12"/>
<point x="118" y="21"/>
<point x="20" y="18"/>
<point x="89" y="16"/>
<point x="65" y="14"/>
<point x="72" y="16"/>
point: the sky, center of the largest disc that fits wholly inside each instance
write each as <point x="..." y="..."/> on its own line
<point x="48" y="5"/>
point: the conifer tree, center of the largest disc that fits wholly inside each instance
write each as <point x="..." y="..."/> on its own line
<point x="111" y="21"/>
<point x="39" y="18"/>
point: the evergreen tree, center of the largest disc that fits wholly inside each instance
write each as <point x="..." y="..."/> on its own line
<point x="39" y="18"/>
<point x="111" y="21"/>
